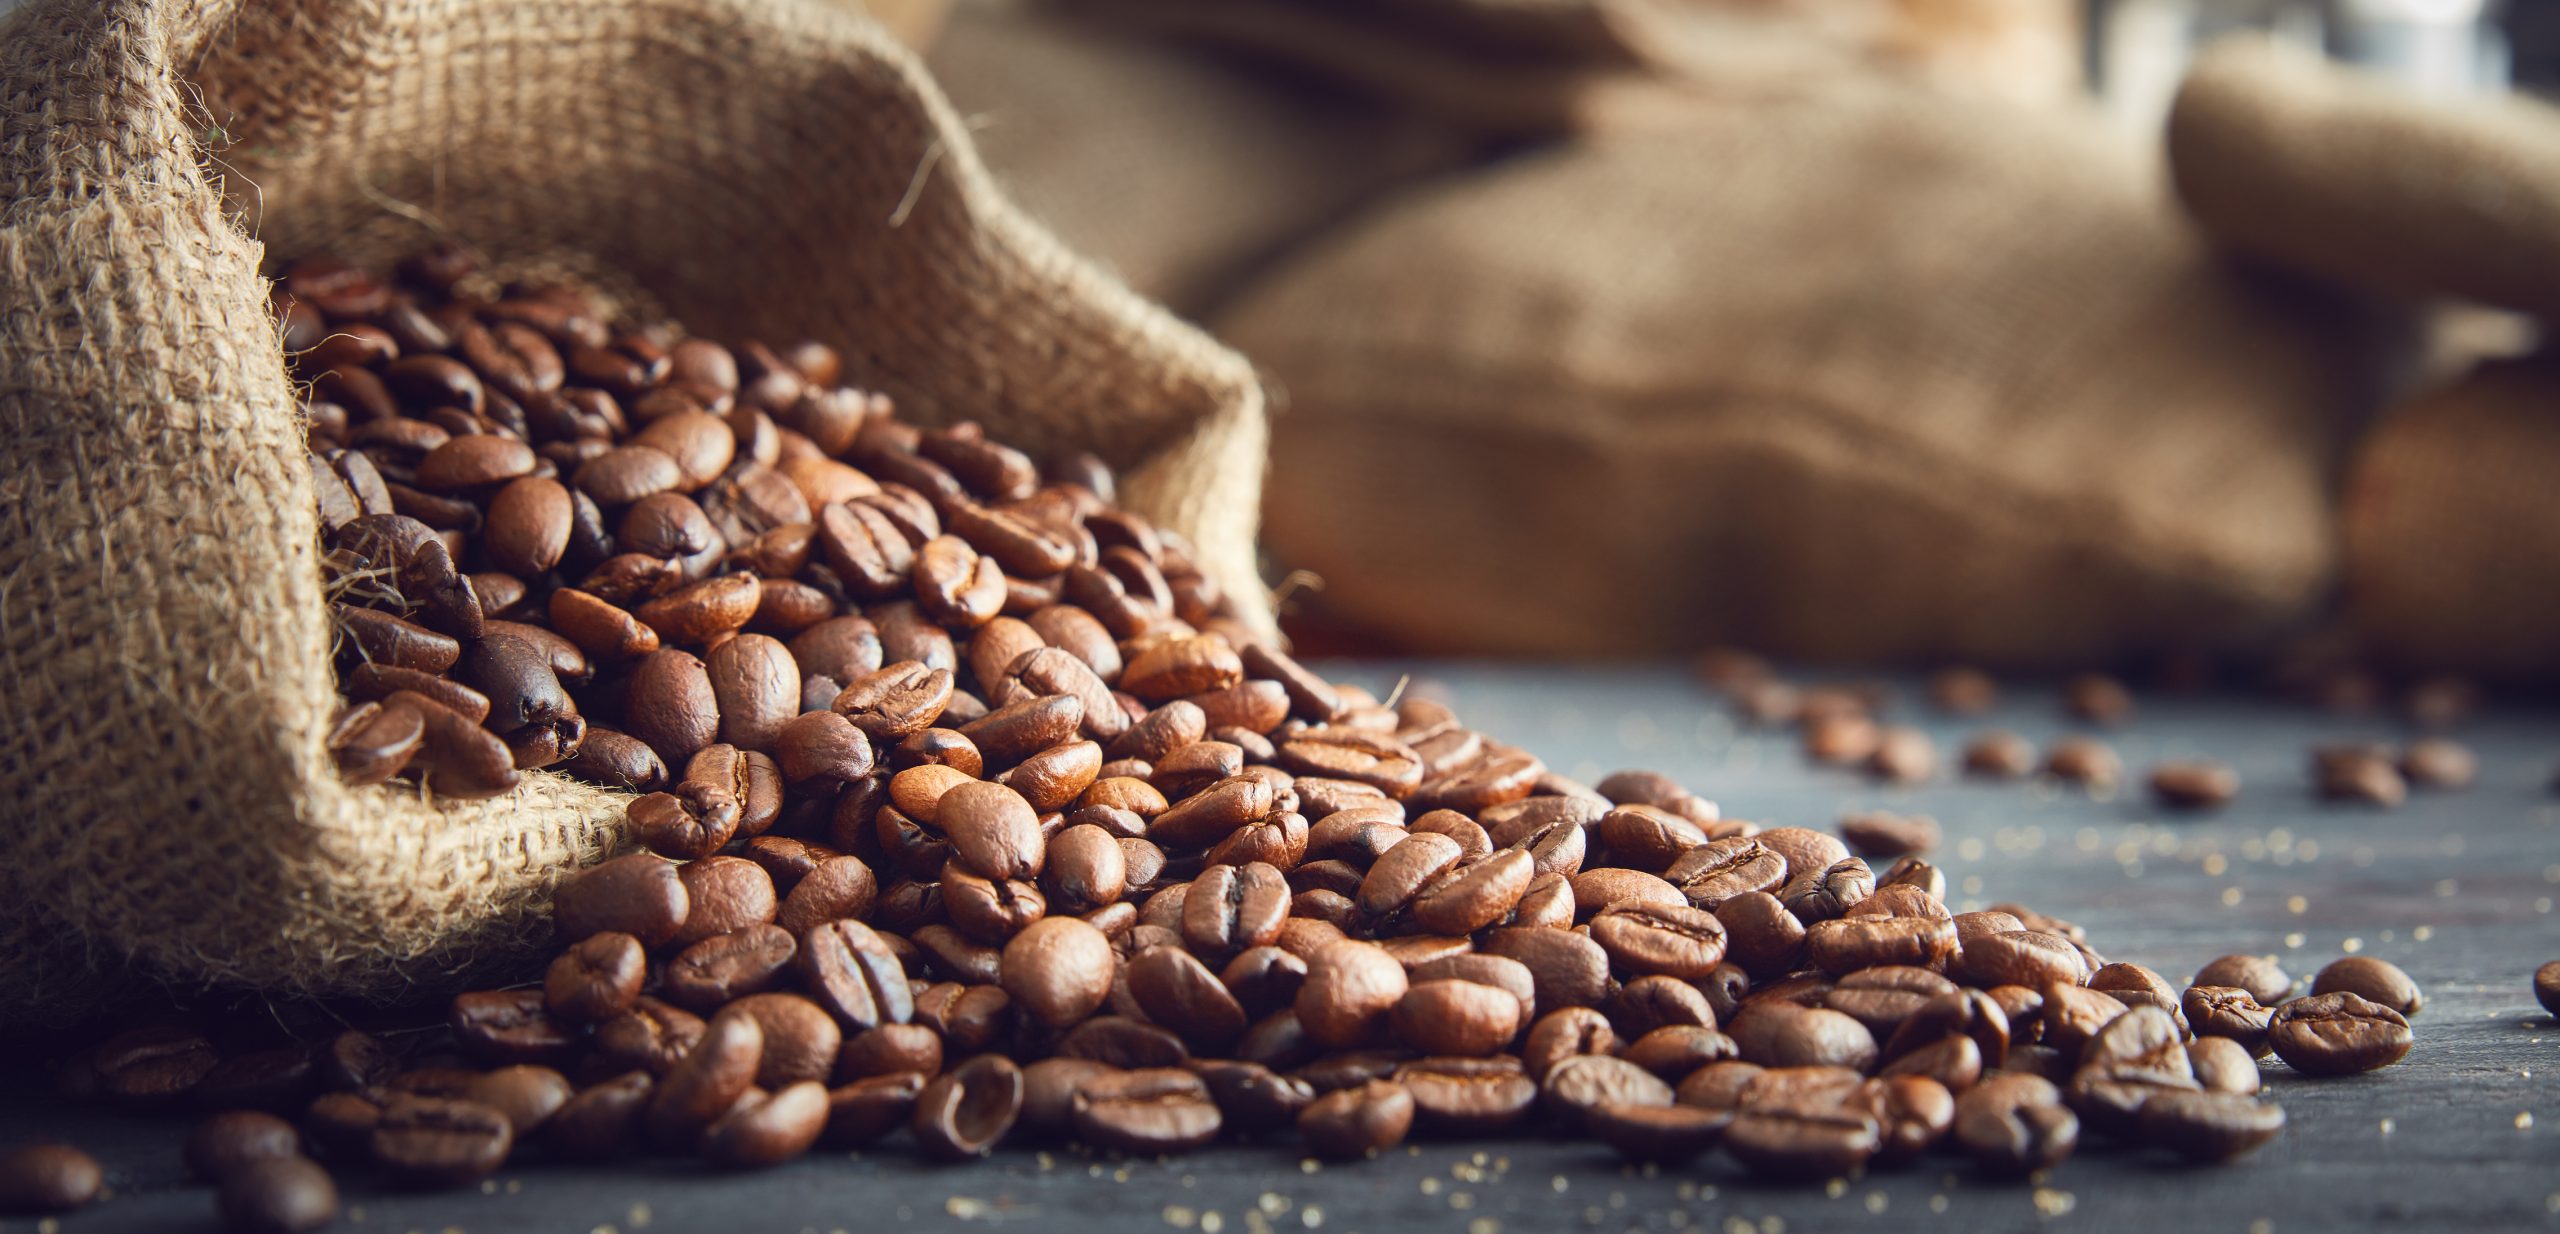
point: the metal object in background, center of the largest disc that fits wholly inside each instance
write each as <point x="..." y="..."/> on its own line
<point x="2139" y="49"/>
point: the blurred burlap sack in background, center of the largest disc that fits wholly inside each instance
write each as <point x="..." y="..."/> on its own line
<point x="758" y="169"/>
<point x="1869" y="374"/>
<point x="1543" y="68"/>
<point x="2452" y="518"/>
<point x="1181" y="170"/>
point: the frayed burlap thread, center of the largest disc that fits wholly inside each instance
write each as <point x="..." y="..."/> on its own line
<point x="766" y="169"/>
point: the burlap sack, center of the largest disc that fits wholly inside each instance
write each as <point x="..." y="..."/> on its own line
<point x="1545" y="68"/>
<point x="1887" y="375"/>
<point x="2282" y="154"/>
<point x="1178" y="169"/>
<point x="2453" y="527"/>
<point x="771" y="169"/>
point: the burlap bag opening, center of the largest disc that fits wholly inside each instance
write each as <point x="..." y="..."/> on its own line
<point x="769" y="169"/>
<point x="1882" y="375"/>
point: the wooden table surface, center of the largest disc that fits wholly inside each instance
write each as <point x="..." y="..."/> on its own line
<point x="2457" y="888"/>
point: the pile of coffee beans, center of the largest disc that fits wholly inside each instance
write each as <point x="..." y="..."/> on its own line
<point x="639" y="557"/>
<point x="972" y="817"/>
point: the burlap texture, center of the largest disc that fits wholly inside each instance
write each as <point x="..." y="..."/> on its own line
<point x="777" y="169"/>
<point x="2285" y="155"/>
<point x="1179" y="169"/>
<point x="1887" y="375"/>
<point x="2453" y="527"/>
<point x="1548" y="68"/>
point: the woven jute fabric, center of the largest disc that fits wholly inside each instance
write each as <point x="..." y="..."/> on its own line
<point x="777" y="170"/>
<point x="1549" y="68"/>
<point x="1179" y="168"/>
<point x="1883" y="375"/>
<point x="2285" y="155"/>
<point x="2453" y="527"/>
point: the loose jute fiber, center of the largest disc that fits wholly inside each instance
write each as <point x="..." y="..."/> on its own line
<point x="754" y="167"/>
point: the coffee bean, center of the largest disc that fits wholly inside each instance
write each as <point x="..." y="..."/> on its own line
<point x="277" y="1195"/>
<point x="852" y="973"/>
<point x="603" y="1121"/>
<point x="2546" y="987"/>
<point x="2194" y="784"/>
<point x="2098" y="699"/>
<point x="2209" y="1126"/>
<point x="2358" y="773"/>
<point x="2223" y="1065"/>
<point x="1567" y="968"/>
<point x="2027" y="958"/>
<point x="1802" y="1144"/>
<point x="228" y="1141"/>
<point x="1761" y="935"/>
<point x="2015" y="1125"/>
<point x="2379" y="981"/>
<point x="762" y="1132"/>
<point x="1350" y="991"/>
<point x="1877" y="834"/>
<point x="708" y="1079"/>
<point x="1147" y="1112"/>
<point x="528" y="1096"/>
<point x="2260" y="976"/>
<point x="1059" y="970"/>
<point x="639" y="895"/>
<point x="1575" y="1086"/>
<point x="1999" y="754"/>
<point x="1658" y="1134"/>
<point x="1355" y="1122"/>
<point x="2337" y="1034"/>
<point x="671" y="706"/>
<point x="596" y="979"/>
<point x="2083" y="761"/>
<point x="2439" y="762"/>
<point x="440" y="1142"/>
<point x="965" y="1112"/>
<point x="510" y="1026"/>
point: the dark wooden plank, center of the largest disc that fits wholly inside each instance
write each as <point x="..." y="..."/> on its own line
<point x="2457" y="888"/>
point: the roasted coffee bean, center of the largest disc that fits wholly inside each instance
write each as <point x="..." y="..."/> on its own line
<point x="1356" y="1122"/>
<point x="851" y="971"/>
<point x="1147" y="1112"/>
<point x="2358" y="773"/>
<point x="763" y="1132"/>
<point x="510" y="1026"/>
<point x="2379" y="981"/>
<point x="1252" y="1099"/>
<point x="1575" y="1086"/>
<point x="725" y="967"/>
<point x="725" y="894"/>
<point x="2223" y="1065"/>
<point x="2209" y="1126"/>
<point x="602" y="1121"/>
<point x="1761" y="935"/>
<point x="992" y="830"/>
<point x="440" y="1142"/>
<point x="47" y="1178"/>
<point x="285" y="1194"/>
<point x="1648" y="1003"/>
<point x="1568" y="969"/>
<point x="1802" y="1143"/>
<point x="1722" y="869"/>
<point x="2083" y="761"/>
<point x="2022" y="958"/>
<point x="867" y="1109"/>
<point x="527" y="1095"/>
<point x="2263" y="978"/>
<point x="1658" y="1134"/>
<point x="1456" y="1017"/>
<point x="2194" y="784"/>
<point x="1779" y="1034"/>
<point x="2439" y="762"/>
<point x="890" y="1048"/>
<point x="1059" y="970"/>
<point x="232" y="1139"/>
<point x="596" y="979"/>
<point x="640" y="895"/>
<point x="2014" y="1125"/>
<point x="1903" y="755"/>
<point x="1349" y="994"/>
<point x="966" y="1112"/>
<point x="1999" y="754"/>
<point x="2546" y="987"/>
<point x="1718" y="1085"/>
<point x="653" y="1036"/>
<point x="2337" y="1034"/>
<point x="708" y="1080"/>
<point x="1877" y="834"/>
<point x="2098" y="699"/>
<point x="2227" y="1012"/>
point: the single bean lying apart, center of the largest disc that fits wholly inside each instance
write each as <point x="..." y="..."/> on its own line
<point x="973" y="813"/>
